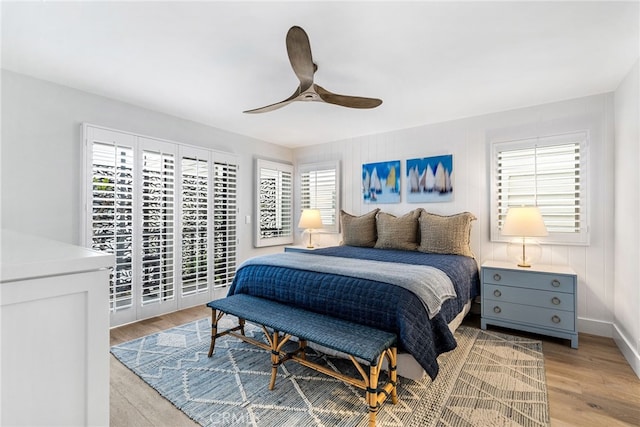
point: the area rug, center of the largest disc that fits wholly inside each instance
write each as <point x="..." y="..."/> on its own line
<point x="490" y="379"/>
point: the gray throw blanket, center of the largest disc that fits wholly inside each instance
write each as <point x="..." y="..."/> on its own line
<point x="430" y="284"/>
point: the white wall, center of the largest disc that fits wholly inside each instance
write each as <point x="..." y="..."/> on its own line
<point x="41" y="159"/>
<point x="468" y="141"/>
<point x="627" y="207"/>
<point x="41" y="154"/>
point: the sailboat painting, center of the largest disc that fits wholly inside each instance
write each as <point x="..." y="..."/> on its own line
<point x="430" y="179"/>
<point x="381" y="182"/>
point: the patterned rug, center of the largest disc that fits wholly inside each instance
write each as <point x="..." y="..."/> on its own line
<point x="491" y="379"/>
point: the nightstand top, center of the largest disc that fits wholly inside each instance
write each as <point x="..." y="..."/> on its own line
<point x="299" y="248"/>
<point x="536" y="268"/>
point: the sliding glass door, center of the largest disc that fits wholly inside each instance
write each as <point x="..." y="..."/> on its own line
<point x="168" y="213"/>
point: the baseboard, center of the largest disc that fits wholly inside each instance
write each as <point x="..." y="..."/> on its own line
<point x="628" y="350"/>
<point x="610" y="330"/>
<point x="595" y="327"/>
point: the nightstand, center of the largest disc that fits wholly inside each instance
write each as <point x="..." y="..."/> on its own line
<point x="540" y="299"/>
<point x="300" y="248"/>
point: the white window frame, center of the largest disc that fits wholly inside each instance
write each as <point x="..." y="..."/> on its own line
<point x="499" y="208"/>
<point x="224" y="269"/>
<point x="329" y="209"/>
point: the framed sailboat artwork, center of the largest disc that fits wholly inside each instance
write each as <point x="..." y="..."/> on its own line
<point x="381" y="182"/>
<point x="430" y="179"/>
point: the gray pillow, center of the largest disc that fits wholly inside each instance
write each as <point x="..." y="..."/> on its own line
<point x="446" y="234"/>
<point x="398" y="232"/>
<point x="359" y="230"/>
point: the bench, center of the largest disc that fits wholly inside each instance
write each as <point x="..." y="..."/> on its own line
<point x="357" y="341"/>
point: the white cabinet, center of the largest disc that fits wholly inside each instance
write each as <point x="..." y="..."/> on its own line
<point x="55" y="333"/>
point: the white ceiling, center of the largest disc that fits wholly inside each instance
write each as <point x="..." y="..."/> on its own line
<point x="429" y="61"/>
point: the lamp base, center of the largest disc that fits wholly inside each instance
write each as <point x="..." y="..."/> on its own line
<point x="310" y="245"/>
<point x="524" y="253"/>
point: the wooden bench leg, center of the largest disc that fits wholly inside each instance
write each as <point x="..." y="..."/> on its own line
<point x="275" y="359"/>
<point x="276" y="342"/>
<point x="214" y="329"/>
<point x="375" y="395"/>
<point x="215" y="318"/>
<point x="241" y="323"/>
<point x="393" y="373"/>
<point x="301" y="349"/>
<point x="372" y="394"/>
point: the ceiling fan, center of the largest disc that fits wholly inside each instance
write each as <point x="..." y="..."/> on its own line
<point x="299" y="51"/>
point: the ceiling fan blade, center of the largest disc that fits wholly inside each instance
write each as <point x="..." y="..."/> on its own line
<point x="275" y="106"/>
<point x="299" y="50"/>
<point x="346" y="101"/>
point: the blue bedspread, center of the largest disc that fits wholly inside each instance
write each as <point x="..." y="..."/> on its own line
<point x="380" y="305"/>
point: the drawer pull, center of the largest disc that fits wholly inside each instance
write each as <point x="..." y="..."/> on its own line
<point x="497" y="277"/>
<point x="555" y="319"/>
<point x="555" y="283"/>
<point x="555" y="301"/>
<point x="497" y="293"/>
<point x="497" y="309"/>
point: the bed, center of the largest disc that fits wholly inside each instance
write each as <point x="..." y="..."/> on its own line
<point x="374" y="285"/>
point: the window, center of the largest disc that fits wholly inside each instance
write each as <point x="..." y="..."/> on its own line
<point x="549" y="172"/>
<point x="167" y="211"/>
<point x="319" y="189"/>
<point x="274" y="203"/>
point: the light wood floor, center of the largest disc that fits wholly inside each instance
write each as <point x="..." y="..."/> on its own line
<point x="590" y="386"/>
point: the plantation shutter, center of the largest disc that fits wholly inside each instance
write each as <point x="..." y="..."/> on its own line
<point x="548" y="173"/>
<point x="274" y="203"/>
<point x="195" y="224"/>
<point x="167" y="211"/>
<point x="157" y="204"/>
<point x="112" y="215"/>
<point x="225" y="211"/>
<point x="319" y="190"/>
<point x="285" y="201"/>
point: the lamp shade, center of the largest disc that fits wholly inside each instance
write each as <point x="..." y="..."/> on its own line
<point x="310" y="218"/>
<point x="525" y="221"/>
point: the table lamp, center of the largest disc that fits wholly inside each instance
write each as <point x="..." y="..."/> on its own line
<point x="309" y="220"/>
<point x="524" y="221"/>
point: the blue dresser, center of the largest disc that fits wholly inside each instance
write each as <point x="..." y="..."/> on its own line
<point x="540" y="299"/>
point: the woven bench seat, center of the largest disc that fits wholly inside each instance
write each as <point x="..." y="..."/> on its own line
<point x="358" y="341"/>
